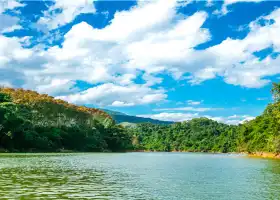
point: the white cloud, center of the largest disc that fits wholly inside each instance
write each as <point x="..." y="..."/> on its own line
<point x="234" y="119"/>
<point x="121" y="104"/>
<point x="132" y="24"/>
<point x="176" y="117"/>
<point x="170" y="49"/>
<point x="69" y="11"/>
<point x="262" y="98"/>
<point x="11" y="50"/>
<point x="151" y="80"/>
<point x="194" y="109"/>
<point x="115" y="95"/>
<point x="240" y="66"/>
<point x="180" y="117"/>
<point x="224" y="10"/>
<point x="228" y="2"/>
<point x="139" y="40"/>
<point x="9" y="5"/>
<point x="57" y="87"/>
<point x="194" y="103"/>
<point x="11" y="28"/>
<point x="98" y="56"/>
<point x="9" y="23"/>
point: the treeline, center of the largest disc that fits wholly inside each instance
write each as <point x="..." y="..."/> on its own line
<point x="204" y="135"/>
<point x="33" y="122"/>
<point x="197" y="135"/>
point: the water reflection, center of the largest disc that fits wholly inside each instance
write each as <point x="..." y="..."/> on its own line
<point x="272" y="174"/>
<point x="137" y="176"/>
<point x="58" y="177"/>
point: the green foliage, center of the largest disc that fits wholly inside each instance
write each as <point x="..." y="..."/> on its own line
<point x="201" y="134"/>
<point x="33" y="122"/>
<point x="259" y="135"/>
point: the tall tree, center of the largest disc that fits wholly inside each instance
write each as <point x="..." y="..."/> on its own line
<point x="276" y="91"/>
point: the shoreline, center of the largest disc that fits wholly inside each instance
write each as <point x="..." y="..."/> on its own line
<point x="264" y="155"/>
<point x="267" y="155"/>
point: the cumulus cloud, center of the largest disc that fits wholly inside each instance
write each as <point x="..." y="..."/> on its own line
<point x="137" y="41"/>
<point x="57" y="87"/>
<point x="11" y="50"/>
<point x="98" y="56"/>
<point x="241" y="66"/>
<point x="115" y="95"/>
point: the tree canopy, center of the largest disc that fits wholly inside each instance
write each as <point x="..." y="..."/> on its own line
<point x="33" y="122"/>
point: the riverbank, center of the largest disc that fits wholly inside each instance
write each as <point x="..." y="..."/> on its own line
<point x="264" y="155"/>
<point x="252" y="155"/>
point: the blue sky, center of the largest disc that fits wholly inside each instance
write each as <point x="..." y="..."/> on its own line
<point x="169" y="60"/>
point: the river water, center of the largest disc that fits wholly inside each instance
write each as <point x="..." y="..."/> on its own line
<point x="165" y="176"/>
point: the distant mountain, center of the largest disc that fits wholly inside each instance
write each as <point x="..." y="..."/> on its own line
<point x="111" y="112"/>
<point x="122" y="117"/>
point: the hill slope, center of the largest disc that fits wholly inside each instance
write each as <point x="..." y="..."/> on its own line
<point x="29" y="120"/>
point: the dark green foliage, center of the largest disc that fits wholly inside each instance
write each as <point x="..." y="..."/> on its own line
<point x="5" y="98"/>
<point x="203" y="135"/>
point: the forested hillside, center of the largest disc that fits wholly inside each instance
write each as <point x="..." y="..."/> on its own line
<point x="263" y="133"/>
<point x="200" y="134"/>
<point x="33" y="122"/>
<point x="259" y="135"/>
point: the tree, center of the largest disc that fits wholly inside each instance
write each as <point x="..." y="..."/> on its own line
<point x="276" y="91"/>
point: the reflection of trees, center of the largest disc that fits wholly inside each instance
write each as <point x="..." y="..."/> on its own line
<point x="39" y="182"/>
<point x="272" y="172"/>
<point x="62" y="177"/>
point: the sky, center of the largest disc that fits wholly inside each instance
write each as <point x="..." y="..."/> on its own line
<point x="170" y="60"/>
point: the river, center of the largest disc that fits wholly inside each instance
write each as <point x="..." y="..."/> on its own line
<point x="132" y="176"/>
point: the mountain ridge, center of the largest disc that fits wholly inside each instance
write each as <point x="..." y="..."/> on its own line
<point x="120" y="117"/>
